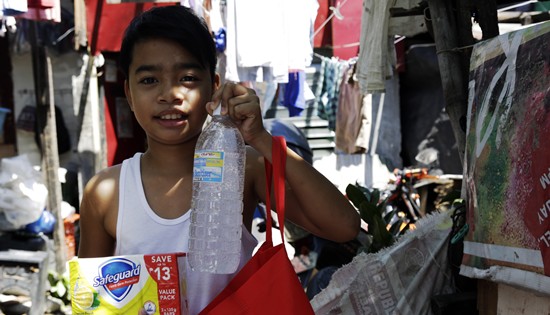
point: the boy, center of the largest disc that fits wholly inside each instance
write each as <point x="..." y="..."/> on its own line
<point x="142" y="206"/>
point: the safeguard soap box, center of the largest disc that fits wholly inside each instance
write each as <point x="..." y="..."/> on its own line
<point x="132" y="284"/>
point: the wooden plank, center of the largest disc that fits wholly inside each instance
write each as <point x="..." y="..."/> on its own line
<point x="487" y="297"/>
<point x="512" y="301"/>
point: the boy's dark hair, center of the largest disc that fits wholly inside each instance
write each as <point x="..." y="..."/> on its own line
<point x="177" y="23"/>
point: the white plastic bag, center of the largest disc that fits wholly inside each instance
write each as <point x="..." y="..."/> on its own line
<point x="22" y="193"/>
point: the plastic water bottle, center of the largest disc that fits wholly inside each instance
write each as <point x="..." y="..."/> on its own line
<point x="217" y="204"/>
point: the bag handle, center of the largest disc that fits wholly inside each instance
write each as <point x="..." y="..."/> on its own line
<point x="278" y="171"/>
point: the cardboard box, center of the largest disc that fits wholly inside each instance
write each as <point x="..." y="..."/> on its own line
<point x="132" y="284"/>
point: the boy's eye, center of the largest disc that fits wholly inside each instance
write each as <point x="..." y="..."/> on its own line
<point x="148" y="80"/>
<point x="189" y="78"/>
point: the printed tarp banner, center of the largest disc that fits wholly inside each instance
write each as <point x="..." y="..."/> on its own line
<point x="507" y="158"/>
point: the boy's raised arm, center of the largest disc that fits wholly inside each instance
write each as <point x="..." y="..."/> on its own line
<point x="312" y="201"/>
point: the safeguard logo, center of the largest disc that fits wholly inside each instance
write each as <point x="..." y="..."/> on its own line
<point x="117" y="276"/>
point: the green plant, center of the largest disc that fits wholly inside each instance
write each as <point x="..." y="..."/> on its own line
<point x="372" y="210"/>
<point x="59" y="286"/>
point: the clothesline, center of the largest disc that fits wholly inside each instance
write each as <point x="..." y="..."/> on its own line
<point x="397" y="40"/>
<point x="338" y="46"/>
<point x="352" y="59"/>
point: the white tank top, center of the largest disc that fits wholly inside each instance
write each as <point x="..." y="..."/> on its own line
<point x="141" y="231"/>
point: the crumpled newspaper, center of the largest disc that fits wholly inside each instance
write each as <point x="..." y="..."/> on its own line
<point x="400" y="279"/>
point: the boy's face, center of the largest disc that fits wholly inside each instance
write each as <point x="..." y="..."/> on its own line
<point x="167" y="90"/>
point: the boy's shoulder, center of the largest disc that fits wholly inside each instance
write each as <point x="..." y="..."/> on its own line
<point x="109" y="172"/>
<point x="105" y="181"/>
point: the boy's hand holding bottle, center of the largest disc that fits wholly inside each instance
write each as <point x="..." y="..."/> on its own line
<point x="243" y="106"/>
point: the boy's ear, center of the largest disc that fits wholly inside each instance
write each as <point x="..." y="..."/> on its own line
<point x="128" y="95"/>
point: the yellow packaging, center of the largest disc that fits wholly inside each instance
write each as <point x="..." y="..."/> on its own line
<point x="132" y="284"/>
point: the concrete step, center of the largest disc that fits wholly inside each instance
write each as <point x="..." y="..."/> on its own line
<point x="277" y="112"/>
<point x="317" y="144"/>
<point x="308" y="122"/>
<point x="320" y="138"/>
<point x="320" y="153"/>
<point x="318" y="133"/>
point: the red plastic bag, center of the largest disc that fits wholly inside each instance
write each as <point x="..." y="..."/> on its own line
<point x="267" y="284"/>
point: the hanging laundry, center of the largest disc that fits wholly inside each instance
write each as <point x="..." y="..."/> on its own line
<point x="293" y="93"/>
<point x="13" y="7"/>
<point x="353" y="123"/>
<point x="9" y="25"/>
<point x="256" y="41"/>
<point x="377" y="53"/>
<point x="215" y="9"/>
<point x="266" y="91"/>
<point x="328" y="88"/>
<point x="300" y="20"/>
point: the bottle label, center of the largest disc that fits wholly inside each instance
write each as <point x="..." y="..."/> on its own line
<point x="208" y="166"/>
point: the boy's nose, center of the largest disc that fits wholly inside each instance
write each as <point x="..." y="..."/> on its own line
<point x="172" y="93"/>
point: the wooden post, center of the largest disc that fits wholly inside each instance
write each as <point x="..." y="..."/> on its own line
<point x="450" y="66"/>
<point x="452" y="29"/>
<point x="51" y="166"/>
<point x="50" y="156"/>
<point x="488" y="18"/>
